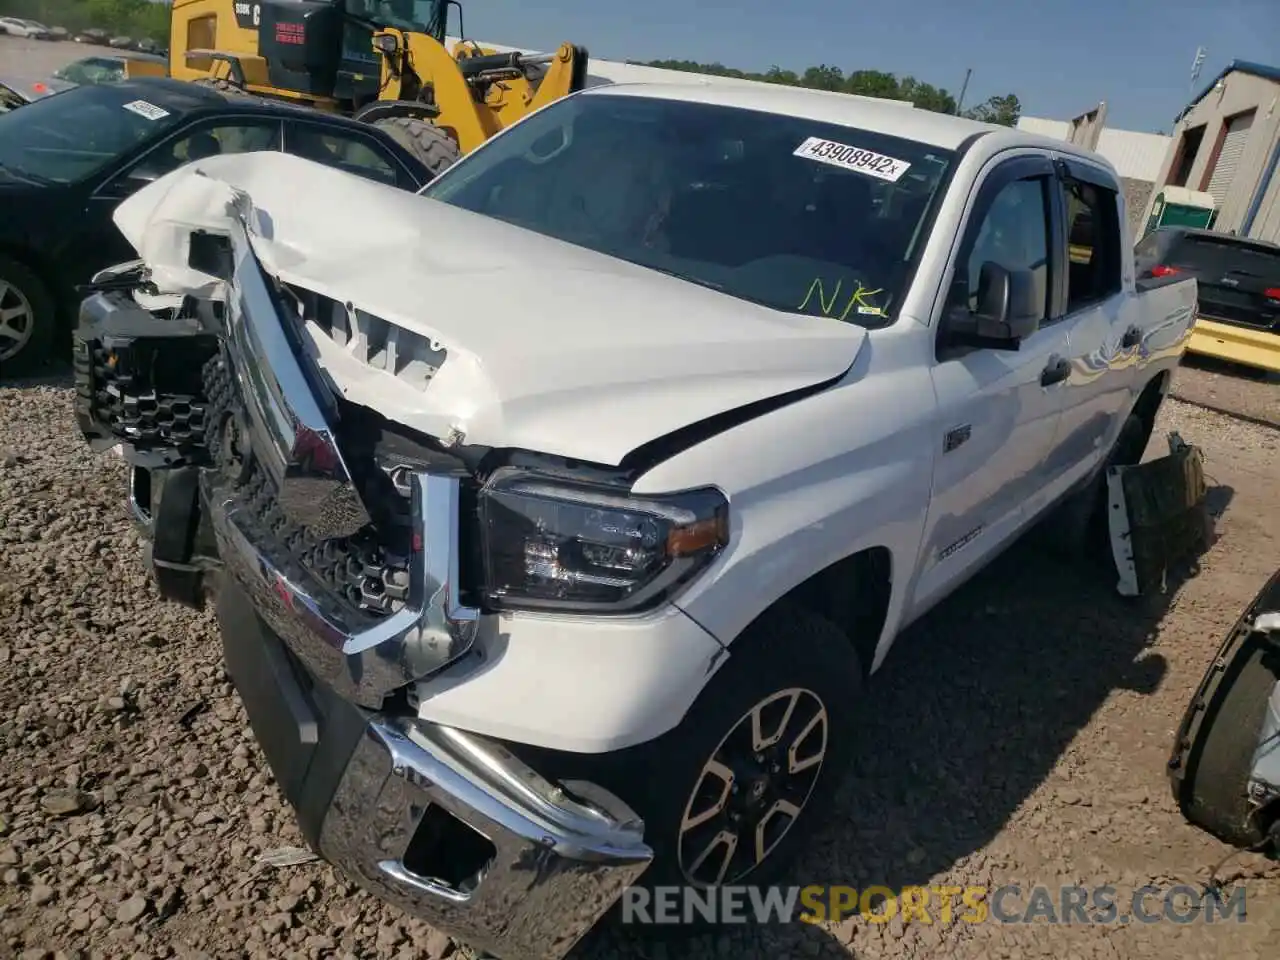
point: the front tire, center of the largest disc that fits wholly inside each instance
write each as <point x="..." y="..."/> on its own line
<point x="28" y="320"/>
<point x="430" y="144"/>
<point x="732" y="793"/>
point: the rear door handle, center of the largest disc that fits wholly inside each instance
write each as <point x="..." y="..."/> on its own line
<point x="1059" y="369"/>
<point x="1132" y="337"/>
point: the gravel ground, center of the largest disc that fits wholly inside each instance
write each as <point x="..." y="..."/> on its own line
<point x="1017" y="735"/>
<point x="1229" y="388"/>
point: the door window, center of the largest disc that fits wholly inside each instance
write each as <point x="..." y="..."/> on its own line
<point x="1093" y="227"/>
<point x="1014" y="233"/>
<point x="211" y="140"/>
<point x="349" y="151"/>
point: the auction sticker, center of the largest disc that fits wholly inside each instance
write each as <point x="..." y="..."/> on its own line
<point x="144" y="109"/>
<point x="852" y="158"/>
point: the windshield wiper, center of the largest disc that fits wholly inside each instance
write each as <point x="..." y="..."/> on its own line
<point x="709" y="284"/>
<point x="32" y="178"/>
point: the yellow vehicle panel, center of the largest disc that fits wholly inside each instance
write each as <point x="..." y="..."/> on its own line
<point x="1253" y="348"/>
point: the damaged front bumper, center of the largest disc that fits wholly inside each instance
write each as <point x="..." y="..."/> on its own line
<point x="228" y="468"/>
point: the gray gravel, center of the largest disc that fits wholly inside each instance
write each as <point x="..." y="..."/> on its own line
<point x="1016" y="735"/>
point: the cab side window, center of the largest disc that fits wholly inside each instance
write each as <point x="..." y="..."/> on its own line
<point x="1093" y="232"/>
<point x="210" y="140"/>
<point x="1014" y="233"/>
<point x="349" y="151"/>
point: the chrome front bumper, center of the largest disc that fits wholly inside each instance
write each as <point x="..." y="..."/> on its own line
<point x="557" y="865"/>
<point x="310" y="672"/>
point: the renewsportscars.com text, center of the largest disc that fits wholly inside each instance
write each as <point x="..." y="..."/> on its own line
<point x="1011" y="903"/>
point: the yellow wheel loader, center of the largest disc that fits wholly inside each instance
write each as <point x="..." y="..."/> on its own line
<point x="382" y="61"/>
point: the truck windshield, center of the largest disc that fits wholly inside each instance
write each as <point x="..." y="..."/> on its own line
<point x="790" y="213"/>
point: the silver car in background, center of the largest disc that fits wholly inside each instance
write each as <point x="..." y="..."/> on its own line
<point x="29" y="29"/>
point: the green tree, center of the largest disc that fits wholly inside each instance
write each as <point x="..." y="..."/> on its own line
<point x="823" y="77"/>
<point x="132" y="18"/>
<point x="776" y="74"/>
<point x="867" y="83"/>
<point x="926" y="96"/>
<point x="872" y="83"/>
<point x="1003" y="110"/>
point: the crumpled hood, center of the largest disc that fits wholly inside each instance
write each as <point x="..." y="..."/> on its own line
<point x="550" y="347"/>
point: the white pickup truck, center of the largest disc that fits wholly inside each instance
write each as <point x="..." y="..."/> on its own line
<point x="556" y="516"/>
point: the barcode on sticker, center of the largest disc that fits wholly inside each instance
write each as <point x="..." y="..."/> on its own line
<point x="144" y="109"/>
<point x="852" y="158"/>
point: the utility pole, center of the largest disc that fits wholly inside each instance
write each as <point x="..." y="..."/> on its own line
<point x="1195" y="71"/>
<point x="963" y="87"/>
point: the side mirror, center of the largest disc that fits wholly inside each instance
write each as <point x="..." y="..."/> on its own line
<point x="1008" y="310"/>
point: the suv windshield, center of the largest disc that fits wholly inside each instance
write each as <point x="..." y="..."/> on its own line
<point x="791" y="213"/>
<point x="71" y="135"/>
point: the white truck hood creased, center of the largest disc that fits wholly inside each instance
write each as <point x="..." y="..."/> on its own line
<point x="551" y="347"/>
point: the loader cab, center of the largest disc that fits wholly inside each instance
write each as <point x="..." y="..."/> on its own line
<point x="324" y="48"/>
<point x="361" y="65"/>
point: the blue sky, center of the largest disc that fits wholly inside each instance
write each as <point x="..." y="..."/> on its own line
<point x="1059" y="58"/>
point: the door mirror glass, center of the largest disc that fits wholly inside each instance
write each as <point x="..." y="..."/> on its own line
<point x="1000" y="290"/>
<point x="1008" y="310"/>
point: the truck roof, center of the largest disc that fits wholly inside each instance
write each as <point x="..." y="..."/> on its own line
<point x="888" y="117"/>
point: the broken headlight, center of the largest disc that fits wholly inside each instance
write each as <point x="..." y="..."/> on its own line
<point x="555" y="545"/>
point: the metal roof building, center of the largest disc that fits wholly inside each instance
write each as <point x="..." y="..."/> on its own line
<point x="1227" y="144"/>
<point x="1135" y="155"/>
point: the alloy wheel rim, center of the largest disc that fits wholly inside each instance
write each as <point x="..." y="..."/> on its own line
<point x="17" y="320"/>
<point x="754" y="787"/>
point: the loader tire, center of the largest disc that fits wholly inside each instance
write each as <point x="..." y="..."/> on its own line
<point x="225" y="87"/>
<point x="430" y="144"/>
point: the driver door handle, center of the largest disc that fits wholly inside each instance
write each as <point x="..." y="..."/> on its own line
<point x="1132" y="337"/>
<point x="1059" y="369"/>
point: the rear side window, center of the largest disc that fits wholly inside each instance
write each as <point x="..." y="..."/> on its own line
<point x="1093" y="235"/>
<point x="1222" y="254"/>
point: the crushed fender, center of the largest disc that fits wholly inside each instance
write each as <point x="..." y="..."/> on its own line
<point x="1157" y="516"/>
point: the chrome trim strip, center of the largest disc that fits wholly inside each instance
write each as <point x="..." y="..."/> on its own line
<point x="289" y="432"/>
<point x="558" y="866"/>
<point x="363" y="661"/>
